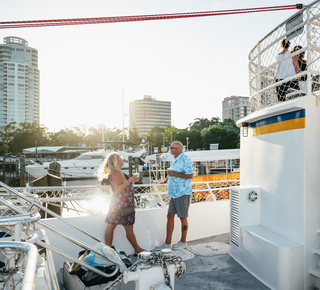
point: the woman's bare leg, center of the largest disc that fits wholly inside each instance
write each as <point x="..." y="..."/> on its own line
<point x="109" y="234"/>
<point x="132" y="239"/>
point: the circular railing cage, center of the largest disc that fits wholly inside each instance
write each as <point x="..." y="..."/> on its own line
<point x="302" y="29"/>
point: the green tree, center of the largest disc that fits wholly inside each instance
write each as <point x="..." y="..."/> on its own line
<point x="170" y="134"/>
<point x="226" y="139"/>
<point x="201" y="123"/>
<point x="194" y="137"/>
<point x="155" y="137"/>
<point x="114" y="134"/>
<point x="96" y="136"/>
<point x="28" y="135"/>
<point x="134" y="137"/>
<point x="66" y="137"/>
<point x="6" y="137"/>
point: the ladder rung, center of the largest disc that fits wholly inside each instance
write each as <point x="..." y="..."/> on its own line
<point x="316" y="251"/>
<point x="315" y="272"/>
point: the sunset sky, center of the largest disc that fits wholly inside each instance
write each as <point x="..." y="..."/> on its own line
<point x="193" y="63"/>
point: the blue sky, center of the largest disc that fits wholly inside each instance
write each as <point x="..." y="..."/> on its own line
<point x="194" y="63"/>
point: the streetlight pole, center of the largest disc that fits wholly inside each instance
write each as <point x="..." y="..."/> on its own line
<point x="163" y="142"/>
<point x="147" y="143"/>
<point x="187" y="142"/>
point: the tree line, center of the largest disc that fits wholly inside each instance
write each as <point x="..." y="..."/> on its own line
<point x="200" y="134"/>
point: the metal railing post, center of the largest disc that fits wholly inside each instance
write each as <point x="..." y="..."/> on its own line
<point x="211" y="192"/>
<point x="309" y="80"/>
<point x="158" y="194"/>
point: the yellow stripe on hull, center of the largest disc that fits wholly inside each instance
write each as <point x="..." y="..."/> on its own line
<point x="280" y="126"/>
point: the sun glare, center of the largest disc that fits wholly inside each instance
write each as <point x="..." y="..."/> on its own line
<point x="98" y="205"/>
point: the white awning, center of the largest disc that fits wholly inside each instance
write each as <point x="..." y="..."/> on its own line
<point x="198" y="156"/>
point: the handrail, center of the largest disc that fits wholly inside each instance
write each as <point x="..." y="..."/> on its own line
<point x="31" y="261"/>
<point x="23" y="219"/>
<point x="30" y="188"/>
<point x="282" y="36"/>
<point x="50" y="227"/>
<point x="155" y="186"/>
<point x="13" y="220"/>
<point x="56" y="230"/>
<point x="45" y="209"/>
<point x="69" y="257"/>
<point x="262" y="57"/>
<point x="26" y="218"/>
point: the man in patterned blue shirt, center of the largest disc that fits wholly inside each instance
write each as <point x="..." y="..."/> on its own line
<point x="179" y="179"/>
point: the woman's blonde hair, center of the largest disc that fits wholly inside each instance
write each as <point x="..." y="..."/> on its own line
<point x="109" y="165"/>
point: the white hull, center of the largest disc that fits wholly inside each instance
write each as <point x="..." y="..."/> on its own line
<point x="84" y="166"/>
<point x="70" y="169"/>
<point x="275" y="210"/>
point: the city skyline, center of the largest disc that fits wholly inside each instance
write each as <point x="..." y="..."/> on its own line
<point x="193" y="63"/>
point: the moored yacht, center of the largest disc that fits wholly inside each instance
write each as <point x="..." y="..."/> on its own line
<point x="84" y="166"/>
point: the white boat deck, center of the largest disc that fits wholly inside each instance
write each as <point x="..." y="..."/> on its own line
<point x="220" y="272"/>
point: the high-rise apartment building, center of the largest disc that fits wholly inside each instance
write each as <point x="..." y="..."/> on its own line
<point x="148" y="113"/>
<point x="235" y="108"/>
<point x="19" y="82"/>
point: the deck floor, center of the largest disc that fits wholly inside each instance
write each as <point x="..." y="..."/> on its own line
<point x="219" y="272"/>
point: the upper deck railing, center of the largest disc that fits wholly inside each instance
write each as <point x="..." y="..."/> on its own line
<point x="302" y="29"/>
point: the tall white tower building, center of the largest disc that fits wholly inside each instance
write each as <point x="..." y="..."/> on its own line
<point x="19" y="82"/>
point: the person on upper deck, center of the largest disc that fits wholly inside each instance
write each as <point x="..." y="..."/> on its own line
<point x="302" y="67"/>
<point x="287" y="67"/>
<point x="122" y="197"/>
<point x="179" y="179"/>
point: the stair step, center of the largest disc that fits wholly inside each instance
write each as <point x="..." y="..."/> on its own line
<point x="316" y="251"/>
<point x="315" y="271"/>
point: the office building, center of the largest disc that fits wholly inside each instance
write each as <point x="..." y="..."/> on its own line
<point x="235" y="108"/>
<point x="19" y="82"/>
<point x="148" y="113"/>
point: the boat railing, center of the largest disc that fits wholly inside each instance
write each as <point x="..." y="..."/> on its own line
<point x="14" y="255"/>
<point x="20" y="207"/>
<point x="77" y="198"/>
<point x="302" y="29"/>
<point x="18" y="221"/>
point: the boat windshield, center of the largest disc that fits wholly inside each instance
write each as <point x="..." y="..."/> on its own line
<point x="88" y="157"/>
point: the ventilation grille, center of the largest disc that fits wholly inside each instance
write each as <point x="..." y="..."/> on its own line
<point x="234" y="219"/>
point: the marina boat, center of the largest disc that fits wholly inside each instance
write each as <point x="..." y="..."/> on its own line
<point x="208" y="165"/>
<point x="84" y="166"/>
<point x="272" y="218"/>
